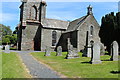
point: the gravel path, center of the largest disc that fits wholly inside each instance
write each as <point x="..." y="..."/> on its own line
<point x="37" y="70"/>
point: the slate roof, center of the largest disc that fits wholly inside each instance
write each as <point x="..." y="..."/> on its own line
<point x="75" y="24"/>
<point x="54" y="23"/>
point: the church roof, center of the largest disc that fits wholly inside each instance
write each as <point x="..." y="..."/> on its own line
<point x="54" y="23"/>
<point x="75" y="24"/>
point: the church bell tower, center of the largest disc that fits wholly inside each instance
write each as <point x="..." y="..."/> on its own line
<point x="89" y="10"/>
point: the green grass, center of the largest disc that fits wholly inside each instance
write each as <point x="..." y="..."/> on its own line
<point x="80" y="67"/>
<point x="12" y="66"/>
<point x="0" y="64"/>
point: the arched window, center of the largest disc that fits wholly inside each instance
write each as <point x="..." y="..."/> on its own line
<point x="91" y="30"/>
<point x="54" y="38"/>
<point x="33" y="13"/>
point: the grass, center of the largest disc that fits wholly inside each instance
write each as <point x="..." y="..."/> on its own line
<point x="80" y="67"/>
<point x="12" y="66"/>
<point x="0" y="64"/>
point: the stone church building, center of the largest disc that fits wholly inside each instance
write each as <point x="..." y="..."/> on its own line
<point x="36" y="31"/>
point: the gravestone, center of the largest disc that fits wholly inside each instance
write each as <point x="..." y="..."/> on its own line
<point x="7" y="49"/>
<point x="114" y="51"/>
<point x="89" y="51"/>
<point x="95" y="59"/>
<point x="102" y="50"/>
<point x="59" y="51"/>
<point x="72" y="52"/>
<point x="47" y="51"/>
<point x="1" y="48"/>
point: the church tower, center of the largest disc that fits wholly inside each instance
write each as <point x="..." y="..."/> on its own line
<point x="33" y="10"/>
<point x="89" y="10"/>
<point x="32" y="13"/>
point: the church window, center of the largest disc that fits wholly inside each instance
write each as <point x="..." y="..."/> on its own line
<point x="91" y="30"/>
<point x="54" y="38"/>
<point x="33" y="13"/>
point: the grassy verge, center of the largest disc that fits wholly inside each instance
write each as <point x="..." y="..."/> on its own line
<point x="80" y="67"/>
<point x="0" y="64"/>
<point x="12" y="66"/>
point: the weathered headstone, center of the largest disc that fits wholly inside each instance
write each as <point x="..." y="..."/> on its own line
<point x="7" y="49"/>
<point x="89" y="51"/>
<point x="95" y="59"/>
<point x="72" y="52"/>
<point x="1" y="48"/>
<point x="47" y="51"/>
<point x="102" y="50"/>
<point x="59" y="51"/>
<point x="114" y="51"/>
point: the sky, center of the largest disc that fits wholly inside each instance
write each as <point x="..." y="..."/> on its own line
<point x="10" y="12"/>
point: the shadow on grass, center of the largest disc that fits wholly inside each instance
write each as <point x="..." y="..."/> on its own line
<point x="106" y="60"/>
<point x="115" y="72"/>
<point x="86" y="62"/>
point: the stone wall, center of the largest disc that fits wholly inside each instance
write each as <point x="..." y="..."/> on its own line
<point x="46" y="38"/>
<point x="30" y="37"/>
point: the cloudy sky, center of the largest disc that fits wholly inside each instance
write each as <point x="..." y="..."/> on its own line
<point x="9" y="14"/>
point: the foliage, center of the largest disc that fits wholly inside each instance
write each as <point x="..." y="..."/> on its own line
<point x="5" y="30"/>
<point x="79" y="67"/>
<point x="110" y="29"/>
<point x="12" y="66"/>
<point x="7" y="36"/>
<point x="11" y="39"/>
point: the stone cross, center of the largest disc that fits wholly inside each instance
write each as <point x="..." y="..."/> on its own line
<point x="59" y="51"/>
<point x="95" y="59"/>
<point x="7" y="49"/>
<point x="47" y="51"/>
<point x="114" y="51"/>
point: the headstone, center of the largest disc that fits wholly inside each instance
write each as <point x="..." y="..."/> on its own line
<point x="95" y="59"/>
<point x="47" y="51"/>
<point x="7" y="49"/>
<point x="72" y="52"/>
<point x="102" y="50"/>
<point x="59" y="51"/>
<point x="114" y="51"/>
<point x="1" y="48"/>
<point x="89" y="51"/>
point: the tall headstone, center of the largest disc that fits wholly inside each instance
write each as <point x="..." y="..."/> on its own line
<point x="114" y="51"/>
<point x="47" y="51"/>
<point x="59" y="51"/>
<point x="72" y="52"/>
<point x="7" y="49"/>
<point x="95" y="59"/>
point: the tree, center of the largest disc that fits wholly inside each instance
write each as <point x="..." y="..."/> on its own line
<point x="7" y="36"/>
<point x="110" y="29"/>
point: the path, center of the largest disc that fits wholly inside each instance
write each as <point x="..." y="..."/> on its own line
<point x="37" y="70"/>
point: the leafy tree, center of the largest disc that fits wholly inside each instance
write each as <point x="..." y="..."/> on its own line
<point x="7" y="36"/>
<point x="5" y="30"/>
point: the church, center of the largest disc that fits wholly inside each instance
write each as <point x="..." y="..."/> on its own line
<point x="35" y="31"/>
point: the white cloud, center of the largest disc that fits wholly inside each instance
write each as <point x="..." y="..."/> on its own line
<point x="8" y="17"/>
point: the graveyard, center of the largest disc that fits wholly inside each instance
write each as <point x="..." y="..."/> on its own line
<point x="43" y="47"/>
<point x="79" y="67"/>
